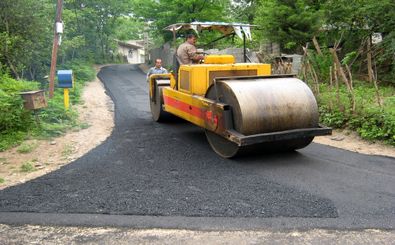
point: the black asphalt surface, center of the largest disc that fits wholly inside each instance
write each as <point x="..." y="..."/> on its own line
<point x="148" y="169"/>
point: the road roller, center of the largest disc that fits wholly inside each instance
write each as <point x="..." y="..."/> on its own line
<point x="241" y="106"/>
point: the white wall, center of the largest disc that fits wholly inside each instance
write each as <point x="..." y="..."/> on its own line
<point x="133" y="56"/>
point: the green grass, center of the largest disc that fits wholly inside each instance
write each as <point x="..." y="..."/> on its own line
<point x="26" y="147"/>
<point x="27" y="167"/>
<point x="371" y="121"/>
<point x="2" y="180"/>
<point x="10" y="139"/>
<point x="17" y="124"/>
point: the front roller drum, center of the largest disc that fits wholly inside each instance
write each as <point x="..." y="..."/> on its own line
<point x="228" y="149"/>
<point x="223" y="147"/>
<point x="264" y="105"/>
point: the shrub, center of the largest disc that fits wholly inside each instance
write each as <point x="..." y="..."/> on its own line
<point x="82" y="70"/>
<point x="27" y="167"/>
<point x="371" y="121"/>
<point x="16" y="123"/>
<point x="27" y="147"/>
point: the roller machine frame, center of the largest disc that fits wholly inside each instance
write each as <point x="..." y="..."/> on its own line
<point x="241" y="106"/>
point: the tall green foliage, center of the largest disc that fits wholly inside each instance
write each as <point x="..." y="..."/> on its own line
<point x="355" y="21"/>
<point x="24" y="37"/>
<point x="91" y="27"/>
<point x="166" y="12"/>
<point x="289" y="23"/>
<point x="350" y="23"/>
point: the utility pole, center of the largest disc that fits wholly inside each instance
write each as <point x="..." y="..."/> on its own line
<point x="58" y="29"/>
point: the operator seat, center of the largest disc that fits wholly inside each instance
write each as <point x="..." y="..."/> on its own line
<point x="176" y="67"/>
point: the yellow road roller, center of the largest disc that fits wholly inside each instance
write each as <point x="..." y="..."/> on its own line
<point x="241" y="106"/>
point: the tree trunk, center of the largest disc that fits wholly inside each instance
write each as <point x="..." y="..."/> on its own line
<point x="369" y="59"/>
<point x="339" y="67"/>
<point x="339" y="104"/>
<point x="10" y="64"/>
<point x="317" y="46"/>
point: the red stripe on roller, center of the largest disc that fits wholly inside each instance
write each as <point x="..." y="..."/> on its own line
<point x="190" y="109"/>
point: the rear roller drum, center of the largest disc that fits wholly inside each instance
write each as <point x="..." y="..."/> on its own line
<point x="156" y="104"/>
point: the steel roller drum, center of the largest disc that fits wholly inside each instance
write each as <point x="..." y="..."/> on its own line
<point x="265" y="105"/>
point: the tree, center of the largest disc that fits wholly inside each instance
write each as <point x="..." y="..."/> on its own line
<point x="24" y="37"/>
<point x="244" y="10"/>
<point x="166" y="12"/>
<point x="91" y="24"/>
<point x="289" y="23"/>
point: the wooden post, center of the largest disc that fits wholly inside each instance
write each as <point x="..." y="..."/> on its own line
<point x="55" y="45"/>
<point x="174" y="37"/>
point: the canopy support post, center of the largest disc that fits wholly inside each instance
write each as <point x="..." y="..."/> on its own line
<point x="244" y="48"/>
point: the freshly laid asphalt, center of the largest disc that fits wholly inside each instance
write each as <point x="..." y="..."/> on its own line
<point x="149" y="174"/>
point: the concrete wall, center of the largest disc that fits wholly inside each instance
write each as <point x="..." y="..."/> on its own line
<point x="165" y="53"/>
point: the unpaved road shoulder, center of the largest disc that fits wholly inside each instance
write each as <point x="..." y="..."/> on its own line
<point x="78" y="235"/>
<point x="96" y="112"/>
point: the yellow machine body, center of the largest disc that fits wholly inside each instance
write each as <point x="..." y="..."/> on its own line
<point x="195" y="79"/>
<point x="240" y="105"/>
<point x="219" y="59"/>
<point x="188" y="101"/>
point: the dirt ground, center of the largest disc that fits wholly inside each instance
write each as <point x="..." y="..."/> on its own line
<point x="349" y="140"/>
<point x="96" y="111"/>
<point x="30" y="234"/>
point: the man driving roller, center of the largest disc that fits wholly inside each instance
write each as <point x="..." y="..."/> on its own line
<point x="186" y="52"/>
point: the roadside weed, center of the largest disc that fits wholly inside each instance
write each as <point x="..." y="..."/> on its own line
<point x="84" y="125"/>
<point x="2" y="180"/>
<point x="27" y="147"/>
<point x="27" y="167"/>
<point x="67" y="151"/>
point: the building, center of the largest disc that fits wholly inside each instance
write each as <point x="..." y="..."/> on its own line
<point x="133" y="51"/>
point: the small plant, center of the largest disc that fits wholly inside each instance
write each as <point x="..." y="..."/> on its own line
<point x="84" y="125"/>
<point x="67" y="151"/>
<point x="2" y="180"/>
<point x="26" y="147"/>
<point x="27" y="167"/>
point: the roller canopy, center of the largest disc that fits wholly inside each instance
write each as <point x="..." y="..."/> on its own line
<point x="223" y="27"/>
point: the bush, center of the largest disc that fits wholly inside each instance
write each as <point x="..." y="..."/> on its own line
<point x="16" y="123"/>
<point x="371" y="121"/>
<point x="82" y="70"/>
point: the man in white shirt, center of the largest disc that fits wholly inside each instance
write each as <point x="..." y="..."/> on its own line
<point x="157" y="69"/>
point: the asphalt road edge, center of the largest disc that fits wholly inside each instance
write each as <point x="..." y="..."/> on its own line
<point x="193" y="223"/>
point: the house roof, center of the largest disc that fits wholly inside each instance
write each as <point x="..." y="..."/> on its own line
<point x="130" y="44"/>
